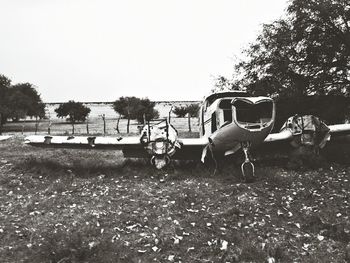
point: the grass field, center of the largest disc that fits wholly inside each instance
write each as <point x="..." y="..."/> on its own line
<point x="62" y="205"/>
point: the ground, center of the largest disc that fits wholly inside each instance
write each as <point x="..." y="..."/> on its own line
<point x="62" y="205"/>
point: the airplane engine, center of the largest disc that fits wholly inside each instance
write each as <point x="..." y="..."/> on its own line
<point x="160" y="141"/>
<point x="308" y="131"/>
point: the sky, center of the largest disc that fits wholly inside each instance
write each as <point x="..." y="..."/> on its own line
<point x="100" y="50"/>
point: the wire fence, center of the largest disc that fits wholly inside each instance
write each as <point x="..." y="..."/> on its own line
<point x="94" y="126"/>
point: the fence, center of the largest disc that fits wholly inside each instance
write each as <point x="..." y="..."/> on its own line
<point x="96" y="126"/>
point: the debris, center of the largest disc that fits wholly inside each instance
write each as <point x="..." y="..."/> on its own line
<point x="320" y="237"/>
<point x="155" y="248"/>
<point x="224" y="244"/>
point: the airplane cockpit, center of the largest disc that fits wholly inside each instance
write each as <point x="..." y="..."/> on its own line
<point x="221" y="109"/>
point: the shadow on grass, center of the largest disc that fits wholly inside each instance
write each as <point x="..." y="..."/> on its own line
<point x="92" y="167"/>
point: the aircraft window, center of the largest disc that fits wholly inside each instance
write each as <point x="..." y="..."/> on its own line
<point x="226" y="106"/>
<point x="253" y="113"/>
<point x="213" y="122"/>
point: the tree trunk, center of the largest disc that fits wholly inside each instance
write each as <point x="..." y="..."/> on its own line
<point x="49" y="128"/>
<point x="127" y="126"/>
<point x="73" y="128"/>
<point x="36" y="124"/>
<point x="189" y="123"/>
<point x="87" y="126"/>
<point x="0" y="123"/>
<point x="117" y="128"/>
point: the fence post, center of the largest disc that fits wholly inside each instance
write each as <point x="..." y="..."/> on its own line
<point x="104" y="123"/>
<point x="171" y="109"/>
<point x="87" y="125"/>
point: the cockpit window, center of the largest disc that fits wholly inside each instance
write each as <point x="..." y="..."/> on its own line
<point x="253" y="113"/>
<point x="226" y="107"/>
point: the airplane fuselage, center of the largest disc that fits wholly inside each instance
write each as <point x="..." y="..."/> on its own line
<point x="231" y="118"/>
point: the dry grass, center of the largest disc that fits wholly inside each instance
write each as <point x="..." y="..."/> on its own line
<point x="85" y="206"/>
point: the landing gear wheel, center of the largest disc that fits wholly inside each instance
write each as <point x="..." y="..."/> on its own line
<point x="247" y="167"/>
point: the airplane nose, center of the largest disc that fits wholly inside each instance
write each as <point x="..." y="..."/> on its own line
<point x="252" y="113"/>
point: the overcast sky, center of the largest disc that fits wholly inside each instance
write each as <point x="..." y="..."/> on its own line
<point x="99" y="50"/>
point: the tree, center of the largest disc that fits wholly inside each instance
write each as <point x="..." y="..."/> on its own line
<point x="135" y="108"/>
<point x="189" y="110"/>
<point x="74" y="111"/>
<point x="308" y="52"/>
<point x="222" y="83"/>
<point x="192" y="111"/>
<point x="5" y="84"/>
<point x="25" y="101"/>
<point x="180" y="111"/>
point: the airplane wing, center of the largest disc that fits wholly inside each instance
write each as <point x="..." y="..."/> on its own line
<point x="154" y="141"/>
<point x="82" y="142"/>
<point x="283" y="135"/>
<point x="308" y="130"/>
<point x="339" y="129"/>
<point x="191" y="148"/>
<point x="5" y="137"/>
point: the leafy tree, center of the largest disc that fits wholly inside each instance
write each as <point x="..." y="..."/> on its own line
<point x="19" y="101"/>
<point x="192" y="110"/>
<point x="135" y="108"/>
<point x="308" y="52"/>
<point x="146" y="111"/>
<point x="5" y="84"/>
<point x="222" y="83"/>
<point x="74" y="111"/>
<point x="25" y="101"/>
<point x="189" y="110"/>
<point x="180" y="111"/>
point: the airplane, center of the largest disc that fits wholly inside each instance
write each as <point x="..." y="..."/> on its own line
<point x="230" y="121"/>
<point x="5" y="137"/>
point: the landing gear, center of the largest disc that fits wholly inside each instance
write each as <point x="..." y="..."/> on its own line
<point x="160" y="161"/>
<point x="247" y="167"/>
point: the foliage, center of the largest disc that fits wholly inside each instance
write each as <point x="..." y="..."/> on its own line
<point x="75" y="111"/>
<point x="193" y="109"/>
<point x="19" y="101"/>
<point x="307" y="52"/>
<point x="182" y="111"/>
<point x="222" y="83"/>
<point x="331" y="109"/>
<point x="189" y="110"/>
<point x="25" y="101"/>
<point x="136" y="108"/>
<point x="5" y="84"/>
